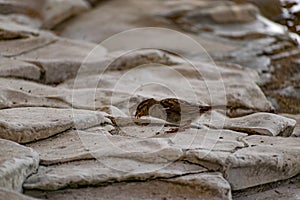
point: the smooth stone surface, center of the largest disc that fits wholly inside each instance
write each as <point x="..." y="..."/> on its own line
<point x="18" y="69"/>
<point x="24" y="125"/>
<point x="261" y="124"/>
<point x="16" y="164"/>
<point x="92" y="173"/>
<point x="263" y="162"/>
<point x="289" y="190"/>
<point x="62" y="59"/>
<point x="12" y="98"/>
<point x="9" y="194"/>
<point x="196" y="186"/>
<point x="133" y="14"/>
<point x="68" y="146"/>
<point x="212" y="160"/>
<point x="214" y="140"/>
<point x="56" y="11"/>
<point x="80" y="145"/>
<point x="101" y="145"/>
<point x="11" y="48"/>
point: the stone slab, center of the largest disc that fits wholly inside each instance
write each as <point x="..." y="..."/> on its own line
<point x="56" y="11"/>
<point x="230" y="85"/>
<point x="93" y="173"/>
<point x="9" y="194"/>
<point x="18" y="69"/>
<point x="267" y="159"/>
<point x="24" y="125"/>
<point x="62" y="59"/>
<point x="11" y="98"/>
<point x="16" y="164"/>
<point x="197" y="186"/>
<point x="259" y="123"/>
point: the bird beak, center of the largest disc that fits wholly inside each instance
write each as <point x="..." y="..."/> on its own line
<point x="137" y="115"/>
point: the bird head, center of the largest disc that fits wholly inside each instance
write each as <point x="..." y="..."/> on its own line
<point x="143" y="108"/>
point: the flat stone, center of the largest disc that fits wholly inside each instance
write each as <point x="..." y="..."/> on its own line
<point x="11" y="48"/>
<point x="68" y="146"/>
<point x="26" y="7"/>
<point x="223" y="13"/>
<point x="11" y="30"/>
<point x="9" y="194"/>
<point x="18" y="69"/>
<point x="92" y="173"/>
<point x="233" y="85"/>
<point x="288" y="190"/>
<point x="215" y="140"/>
<point x="216" y="185"/>
<point x="62" y="59"/>
<point x="56" y="11"/>
<point x="29" y="21"/>
<point x="91" y="26"/>
<point x="12" y="98"/>
<point x="197" y="186"/>
<point x="261" y="124"/>
<point x="267" y="159"/>
<point x="210" y="159"/>
<point x="24" y="125"/>
<point x="101" y="145"/>
<point x="16" y="164"/>
<point x="37" y="94"/>
<point x="296" y="132"/>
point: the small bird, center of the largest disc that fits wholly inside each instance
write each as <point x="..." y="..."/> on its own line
<point x="178" y="112"/>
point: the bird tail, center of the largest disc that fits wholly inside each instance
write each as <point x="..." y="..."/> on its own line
<point x="216" y="107"/>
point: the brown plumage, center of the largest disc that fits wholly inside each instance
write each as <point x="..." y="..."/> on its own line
<point x="175" y="111"/>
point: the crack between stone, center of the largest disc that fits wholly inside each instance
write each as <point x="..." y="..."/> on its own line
<point x="33" y="49"/>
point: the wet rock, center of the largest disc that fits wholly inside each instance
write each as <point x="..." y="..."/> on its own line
<point x="260" y="123"/>
<point x="19" y="69"/>
<point x="33" y="123"/>
<point x="62" y="59"/>
<point x="56" y="11"/>
<point x="17" y="163"/>
<point x="9" y="194"/>
<point x="208" y="186"/>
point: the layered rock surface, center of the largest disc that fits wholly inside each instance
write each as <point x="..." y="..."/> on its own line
<point x="69" y="97"/>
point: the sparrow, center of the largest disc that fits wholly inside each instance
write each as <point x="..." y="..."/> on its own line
<point x="175" y="111"/>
